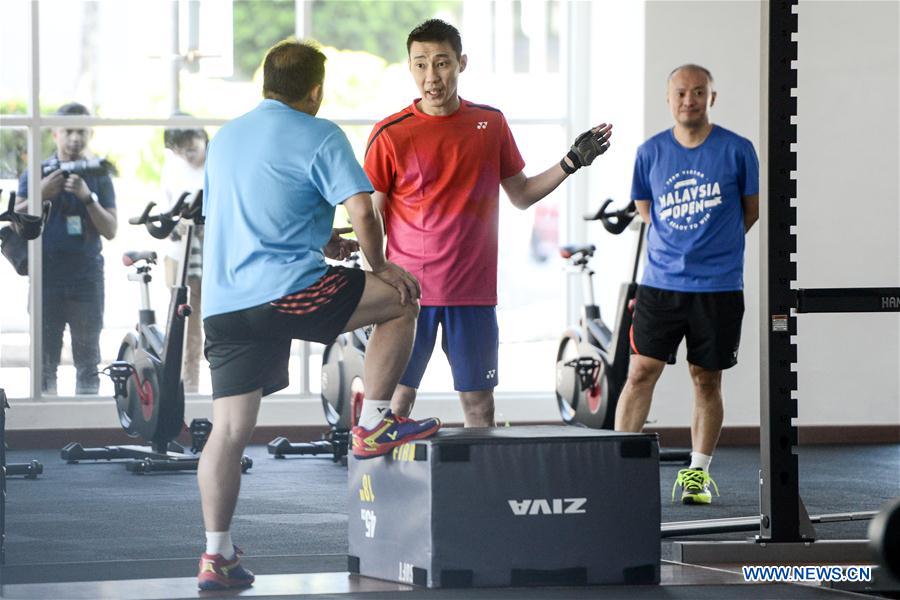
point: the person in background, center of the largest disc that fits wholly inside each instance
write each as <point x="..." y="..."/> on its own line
<point x="273" y="179"/>
<point x="437" y="167"/>
<point x="182" y="172"/>
<point x="697" y="185"/>
<point x="83" y="210"/>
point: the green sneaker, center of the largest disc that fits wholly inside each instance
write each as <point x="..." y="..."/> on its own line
<point x="694" y="486"/>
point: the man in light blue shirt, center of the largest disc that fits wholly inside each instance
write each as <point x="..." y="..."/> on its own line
<point x="697" y="186"/>
<point x="273" y="179"/>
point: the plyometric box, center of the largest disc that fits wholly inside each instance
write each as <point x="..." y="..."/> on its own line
<point x="514" y="506"/>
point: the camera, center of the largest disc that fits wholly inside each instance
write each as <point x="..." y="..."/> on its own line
<point x="92" y="166"/>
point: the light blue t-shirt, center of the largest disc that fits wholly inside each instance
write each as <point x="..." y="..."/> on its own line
<point x="273" y="178"/>
<point x="696" y="238"/>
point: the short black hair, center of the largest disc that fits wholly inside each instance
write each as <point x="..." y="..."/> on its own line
<point x="436" y="30"/>
<point x="73" y="108"/>
<point x="176" y="138"/>
<point x="691" y="67"/>
<point x="291" y="69"/>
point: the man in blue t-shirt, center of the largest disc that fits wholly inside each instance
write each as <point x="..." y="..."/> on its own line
<point x="697" y="186"/>
<point x="82" y="209"/>
<point x="273" y="179"/>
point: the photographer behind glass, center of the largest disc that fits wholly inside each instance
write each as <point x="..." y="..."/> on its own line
<point x="82" y="209"/>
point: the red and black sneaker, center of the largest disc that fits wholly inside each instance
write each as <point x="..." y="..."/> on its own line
<point x="392" y="431"/>
<point x="217" y="573"/>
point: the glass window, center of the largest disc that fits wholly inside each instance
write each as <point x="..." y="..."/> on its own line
<point x="531" y="276"/>
<point x="15" y="45"/>
<point x="143" y="170"/>
<point x="133" y="59"/>
<point x="15" y="319"/>
<point x="512" y="48"/>
<point x="126" y="60"/>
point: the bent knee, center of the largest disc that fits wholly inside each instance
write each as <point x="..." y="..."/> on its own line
<point x="643" y="374"/>
<point x="408" y="313"/>
<point x="235" y="432"/>
<point x="479" y="413"/>
<point x="411" y="310"/>
<point x="705" y="379"/>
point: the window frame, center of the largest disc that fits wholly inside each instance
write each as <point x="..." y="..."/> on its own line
<point x="575" y="33"/>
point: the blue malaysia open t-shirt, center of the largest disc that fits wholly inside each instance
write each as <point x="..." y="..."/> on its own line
<point x="695" y="242"/>
<point x="273" y="178"/>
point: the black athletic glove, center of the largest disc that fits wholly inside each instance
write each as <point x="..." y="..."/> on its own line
<point x="588" y="146"/>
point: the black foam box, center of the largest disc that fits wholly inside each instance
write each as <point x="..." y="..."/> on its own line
<point x="514" y="506"/>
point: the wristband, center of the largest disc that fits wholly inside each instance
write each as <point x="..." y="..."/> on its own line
<point x="565" y="166"/>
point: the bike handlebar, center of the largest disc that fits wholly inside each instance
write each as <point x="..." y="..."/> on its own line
<point x="616" y="221"/>
<point x="167" y="220"/>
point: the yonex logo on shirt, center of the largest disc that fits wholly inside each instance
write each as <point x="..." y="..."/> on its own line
<point x="481" y="125"/>
<point x="491" y="374"/>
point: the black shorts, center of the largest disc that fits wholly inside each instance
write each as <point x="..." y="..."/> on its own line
<point x="710" y="321"/>
<point x="250" y="348"/>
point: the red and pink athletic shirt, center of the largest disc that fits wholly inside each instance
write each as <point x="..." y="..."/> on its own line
<point x="441" y="176"/>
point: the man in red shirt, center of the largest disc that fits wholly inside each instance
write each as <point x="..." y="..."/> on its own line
<point x="437" y="167"/>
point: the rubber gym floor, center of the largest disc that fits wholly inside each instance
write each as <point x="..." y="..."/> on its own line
<point x="94" y="530"/>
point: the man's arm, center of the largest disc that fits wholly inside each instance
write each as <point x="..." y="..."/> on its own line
<point x="751" y="211"/>
<point x="367" y="226"/>
<point x="51" y="186"/>
<point x="643" y="207"/>
<point x="368" y="229"/>
<point x="339" y="248"/>
<point x="104" y="219"/>
<point x="524" y="191"/>
<point x="378" y="201"/>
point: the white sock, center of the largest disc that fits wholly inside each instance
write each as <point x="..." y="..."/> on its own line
<point x="700" y="461"/>
<point x="372" y="411"/>
<point x="219" y="542"/>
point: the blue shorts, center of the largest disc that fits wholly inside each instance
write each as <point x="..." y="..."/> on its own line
<point x="471" y="341"/>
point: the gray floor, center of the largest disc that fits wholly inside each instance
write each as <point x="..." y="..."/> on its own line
<point x="97" y="521"/>
<point x="687" y="583"/>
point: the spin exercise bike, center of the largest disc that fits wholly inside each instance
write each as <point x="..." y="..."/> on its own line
<point x="146" y="376"/>
<point x="592" y="359"/>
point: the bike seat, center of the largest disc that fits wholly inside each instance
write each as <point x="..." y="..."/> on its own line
<point x="133" y="256"/>
<point x="571" y="250"/>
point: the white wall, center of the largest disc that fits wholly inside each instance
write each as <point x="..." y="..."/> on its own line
<point x="849" y="206"/>
<point x="848" y="191"/>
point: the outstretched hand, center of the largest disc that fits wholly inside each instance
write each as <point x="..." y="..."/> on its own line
<point x="339" y="248"/>
<point x="589" y="145"/>
<point x="401" y="280"/>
